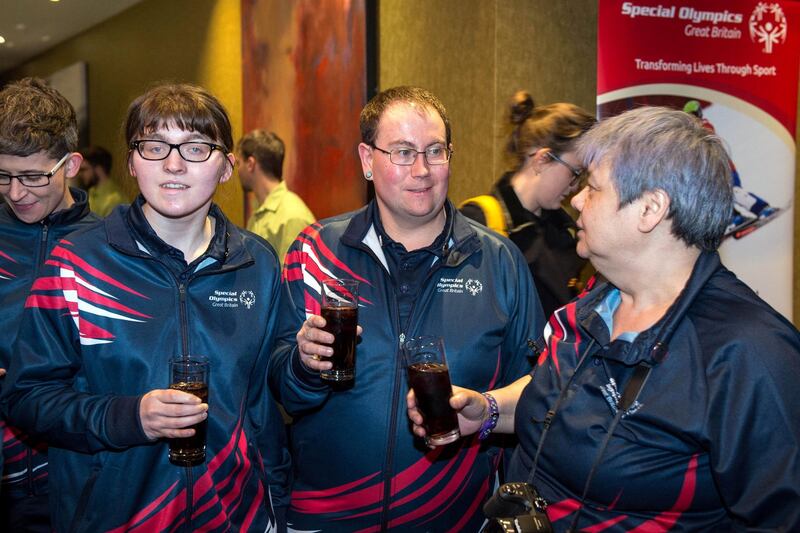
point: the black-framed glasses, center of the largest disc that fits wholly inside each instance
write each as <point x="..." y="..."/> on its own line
<point x="434" y="155"/>
<point x="577" y="173"/>
<point x="33" y="180"/>
<point x="192" y="151"/>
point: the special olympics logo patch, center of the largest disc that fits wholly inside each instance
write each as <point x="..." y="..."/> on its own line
<point x="473" y="286"/>
<point x="247" y="298"/>
<point x="767" y="25"/>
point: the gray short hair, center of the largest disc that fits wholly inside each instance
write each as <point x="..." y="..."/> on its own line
<point x="650" y="148"/>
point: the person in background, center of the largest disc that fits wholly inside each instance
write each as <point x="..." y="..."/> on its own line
<point x="666" y="397"/>
<point x="168" y="275"/>
<point x="526" y="201"/>
<point x="424" y="269"/>
<point x="281" y="214"/>
<point x="38" y="139"/>
<point x="95" y="177"/>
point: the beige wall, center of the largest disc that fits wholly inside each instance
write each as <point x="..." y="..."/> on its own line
<point x="194" y="41"/>
<point x="474" y="54"/>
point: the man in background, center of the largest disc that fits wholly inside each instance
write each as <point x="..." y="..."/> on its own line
<point x="281" y="214"/>
<point x="38" y="139"/>
<point x="95" y="178"/>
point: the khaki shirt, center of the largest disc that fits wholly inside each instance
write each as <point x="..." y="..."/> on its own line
<point x="103" y="198"/>
<point x="281" y="217"/>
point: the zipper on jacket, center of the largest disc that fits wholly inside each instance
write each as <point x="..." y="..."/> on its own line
<point x="184" y="320"/>
<point x="42" y="250"/>
<point x="189" y="499"/>
<point x="29" y="456"/>
<point x="39" y="261"/>
<point x="398" y="373"/>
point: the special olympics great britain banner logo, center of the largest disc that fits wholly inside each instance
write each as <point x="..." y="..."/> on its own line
<point x="768" y="25"/>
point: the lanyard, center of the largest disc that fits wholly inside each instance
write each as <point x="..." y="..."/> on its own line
<point x="627" y="398"/>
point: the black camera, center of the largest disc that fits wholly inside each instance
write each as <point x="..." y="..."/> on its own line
<point x="516" y="508"/>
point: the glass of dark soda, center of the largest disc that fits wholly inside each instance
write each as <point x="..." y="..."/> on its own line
<point x="429" y="376"/>
<point x="340" y="311"/>
<point x="189" y="374"/>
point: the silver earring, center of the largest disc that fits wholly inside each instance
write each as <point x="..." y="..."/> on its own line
<point x="368" y="175"/>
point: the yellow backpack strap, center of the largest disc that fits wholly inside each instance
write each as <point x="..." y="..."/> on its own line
<point x="492" y="212"/>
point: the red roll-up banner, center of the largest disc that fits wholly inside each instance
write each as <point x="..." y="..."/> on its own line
<point x="734" y="64"/>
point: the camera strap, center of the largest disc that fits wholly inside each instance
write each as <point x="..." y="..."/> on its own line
<point x="629" y="395"/>
<point x="627" y="398"/>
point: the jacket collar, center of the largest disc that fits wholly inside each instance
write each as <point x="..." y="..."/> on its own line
<point x="651" y="345"/>
<point x="124" y="227"/>
<point x="462" y="241"/>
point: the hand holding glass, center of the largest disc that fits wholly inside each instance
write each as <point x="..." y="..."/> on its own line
<point x="429" y="376"/>
<point x="340" y="311"/>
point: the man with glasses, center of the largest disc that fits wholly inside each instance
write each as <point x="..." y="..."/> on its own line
<point x="423" y="269"/>
<point x="38" y="139"/>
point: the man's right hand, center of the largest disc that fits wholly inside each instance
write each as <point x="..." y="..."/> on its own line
<point x="313" y="343"/>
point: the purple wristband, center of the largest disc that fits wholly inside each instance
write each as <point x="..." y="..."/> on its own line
<point x="491" y="422"/>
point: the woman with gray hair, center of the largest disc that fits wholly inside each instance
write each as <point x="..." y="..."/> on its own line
<point x="665" y="396"/>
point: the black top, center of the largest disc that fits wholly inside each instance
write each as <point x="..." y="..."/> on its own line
<point x="547" y="242"/>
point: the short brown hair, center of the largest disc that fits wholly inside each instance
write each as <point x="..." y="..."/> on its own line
<point x="35" y="118"/>
<point x="267" y="149"/>
<point x="372" y="112"/>
<point x="189" y="107"/>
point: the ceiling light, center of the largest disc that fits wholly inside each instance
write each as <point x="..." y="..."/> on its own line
<point x="2" y="39"/>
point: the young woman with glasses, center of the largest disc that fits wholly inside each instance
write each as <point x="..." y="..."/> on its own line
<point x="527" y="199"/>
<point x="165" y="277"/>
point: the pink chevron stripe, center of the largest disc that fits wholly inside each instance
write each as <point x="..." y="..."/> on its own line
<point x="5" y="272"/>
<point x="47" y="283"/>
<point x="397" y="486"/>
<point x="602" y="526"/>
<point x="176" y="506"/>
<point x="326" y="252"/>
<point x="292" y="274"/>
<point x="19" y="457"/>
<point x="251" y="512"/>
<point x="55" y="283"/>
<point x="480" y="497"/>
<point x="324" y="501"/>
<point x="326" y="493"/>
<point x="572" y="321"/>
<point x="448" y="495"/>
<point x="87" y="329"/>
<point x="667" y="519"/>
<point x="558" y="510"/>
<point x="5" y="255"/>
<point x="360" y="498"/>
<point x="242" y="473"/>
<point x="46" y="302"/>
<point x="312" y="304"/>
<point x="63" y="253"/>
<point x="144" y="512"/>
<point x="88" y="295"/>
